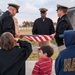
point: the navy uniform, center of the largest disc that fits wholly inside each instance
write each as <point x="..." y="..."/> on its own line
<point x="7" y="22"/>
<point x="63" y="24"/>
<point x="43" y="27"/>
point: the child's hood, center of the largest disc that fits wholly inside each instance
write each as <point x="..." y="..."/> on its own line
<point x="69" y="37"/>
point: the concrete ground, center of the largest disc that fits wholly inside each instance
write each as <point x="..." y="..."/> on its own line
<point x="30" y="65"/>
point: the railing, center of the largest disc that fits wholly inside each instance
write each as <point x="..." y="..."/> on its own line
<point x="25" y="28"/>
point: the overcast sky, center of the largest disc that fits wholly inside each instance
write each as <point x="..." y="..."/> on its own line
<point x="29" y="9"/>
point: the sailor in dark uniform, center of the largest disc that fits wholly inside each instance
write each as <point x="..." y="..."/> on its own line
<point x="63" y="24"/>
<point x="43" y="26"/>
<point x="6" y="21"/>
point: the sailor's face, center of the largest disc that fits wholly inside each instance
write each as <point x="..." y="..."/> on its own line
<point x="14" y="12"/>
<point x="43" y="14"/>
<point x="59" y="12"/>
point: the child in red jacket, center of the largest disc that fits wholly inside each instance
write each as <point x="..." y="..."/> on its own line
<point x="44" y="65"/>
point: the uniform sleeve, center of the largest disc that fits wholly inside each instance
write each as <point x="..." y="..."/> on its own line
<point x="52" y="30"/>
<point x="57" y="65"/>
<point x="7" y="24"/>
<point x="36" y="69"/>
<point x="17" y="31"/>
<point x="26" y="47"/>
<point x="64" y="26"/>
<point x="34" y="30"/>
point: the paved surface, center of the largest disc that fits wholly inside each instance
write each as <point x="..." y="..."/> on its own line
<point x="30" y="65"/>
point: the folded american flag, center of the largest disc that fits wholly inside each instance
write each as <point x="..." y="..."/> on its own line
<point x="38" y="38"/>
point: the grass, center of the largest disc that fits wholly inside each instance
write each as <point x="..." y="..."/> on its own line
<point x="55" y="55"/>
<point x="26" y="32"/>
<point x="34" y="55"/>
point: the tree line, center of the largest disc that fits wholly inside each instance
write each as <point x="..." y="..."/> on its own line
<point x="30" y="24"/>
<point x="27" y="24"/>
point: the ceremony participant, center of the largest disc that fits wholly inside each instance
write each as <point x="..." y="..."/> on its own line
<point x="17" y="31"/>
<point x="44" y="65"/>
<point x="65" y="62"/>
<point x="43" y="26"/>
<point x="6" y="22"/>
<point x="13" y="57"/>
<point x="63" y="23"/>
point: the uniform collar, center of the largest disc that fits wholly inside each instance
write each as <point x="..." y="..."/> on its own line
<point x="63" y="16"/>
<point x="9" y="13"/>
<point x="43" y="19"/>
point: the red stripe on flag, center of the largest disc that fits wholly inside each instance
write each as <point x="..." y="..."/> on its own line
<point x="45" y="37"/>
<point x="40" y="38"/>
<point x="28" y="37"/>
<point x="51" y="36"/>
<point x="36" y="38"/>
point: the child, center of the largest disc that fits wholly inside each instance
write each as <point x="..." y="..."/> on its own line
<point x="13" y="57"/>
<point x="44" y="65"/>
<point x="65" y="62"/>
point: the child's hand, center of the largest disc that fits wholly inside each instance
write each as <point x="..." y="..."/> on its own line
<point x="16" y="39"/>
